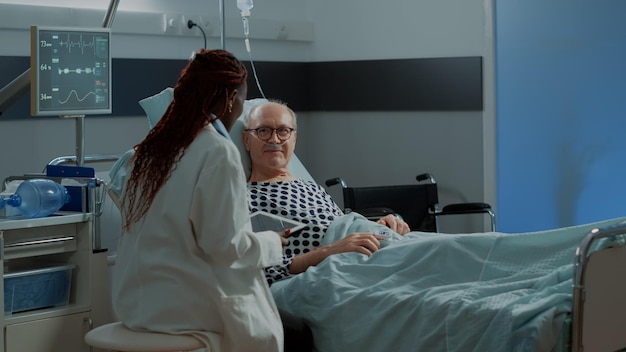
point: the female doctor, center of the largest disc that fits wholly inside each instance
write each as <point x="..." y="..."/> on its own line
<point x="188" y="261"/>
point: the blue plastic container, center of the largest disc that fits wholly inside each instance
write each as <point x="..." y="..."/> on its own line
<point x="43" y="287"/>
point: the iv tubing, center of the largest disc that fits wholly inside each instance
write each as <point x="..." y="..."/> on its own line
<point x="256" y="78"/>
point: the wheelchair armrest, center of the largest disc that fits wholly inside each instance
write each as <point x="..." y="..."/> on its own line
<point x="469" y="208"/>
<point x="333" y="181"/>
<point x="375" y="213"/>
<point x="424" y="177"/>
<point x="465" y="208"/>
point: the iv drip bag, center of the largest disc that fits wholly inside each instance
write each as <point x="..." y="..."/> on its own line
<point x="244" y="6"/>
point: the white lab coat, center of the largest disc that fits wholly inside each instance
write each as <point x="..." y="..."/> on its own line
<point x="193" y="265"/>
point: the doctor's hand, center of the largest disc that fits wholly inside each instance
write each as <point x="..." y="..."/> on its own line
<point x="395" y="223"/>
<point x="284" y="240"/>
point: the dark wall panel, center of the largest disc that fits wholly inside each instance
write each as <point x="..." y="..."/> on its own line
<point x="135" y="79"/>
<point x="446" y="84"/>
<point x="286" y="81"/>
<point x="397" y="85"/>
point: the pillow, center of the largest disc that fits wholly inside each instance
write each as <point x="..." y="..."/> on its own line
<point x="156" y="105"/>
<point x="236" y="134"/>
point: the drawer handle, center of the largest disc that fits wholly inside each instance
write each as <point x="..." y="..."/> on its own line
<point x="44" y="241"/>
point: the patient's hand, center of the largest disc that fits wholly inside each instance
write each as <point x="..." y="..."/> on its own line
<point x="395" y="223"/>
<point x="362" y="242"/>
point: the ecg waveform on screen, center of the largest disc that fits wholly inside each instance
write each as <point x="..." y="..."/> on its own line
<point x="79" y="99"/>
<point x="86" y="70"/>
<point x="80" y="44"/>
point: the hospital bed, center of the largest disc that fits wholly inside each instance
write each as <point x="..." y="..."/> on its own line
<point x="591" y="309"/>
<point x="380" y="304"/>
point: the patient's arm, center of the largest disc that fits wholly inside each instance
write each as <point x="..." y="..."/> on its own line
<point x="361" y="242"/>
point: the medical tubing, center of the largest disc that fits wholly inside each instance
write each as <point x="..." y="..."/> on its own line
<point x="245" y="6"/>
<point x="247" y="42"/>
<point x="256" y="78"/>
<point x="246" y="26"/>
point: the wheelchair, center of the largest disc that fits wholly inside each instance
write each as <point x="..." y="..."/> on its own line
<point x="417" y="204"/>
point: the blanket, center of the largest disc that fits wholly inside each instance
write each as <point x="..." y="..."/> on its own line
<point x="439" y="292"/>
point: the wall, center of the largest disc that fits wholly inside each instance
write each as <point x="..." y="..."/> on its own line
<point x="373" y="148"/>
<point x="170" y="44"/>
<point x="365" y="148"/>
<point x="561" y="106"/>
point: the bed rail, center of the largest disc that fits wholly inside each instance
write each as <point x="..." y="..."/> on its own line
<point x="605" y="271"/>
<point x="73" y="159"/>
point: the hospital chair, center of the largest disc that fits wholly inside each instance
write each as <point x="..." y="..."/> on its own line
<point x="417" y="204"/>
<point x="116" y="337"/>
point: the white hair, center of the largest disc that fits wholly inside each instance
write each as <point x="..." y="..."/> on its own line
<point x="248" y="118"/>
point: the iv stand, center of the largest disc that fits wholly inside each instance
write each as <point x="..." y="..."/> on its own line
<point x="223" y="23"/>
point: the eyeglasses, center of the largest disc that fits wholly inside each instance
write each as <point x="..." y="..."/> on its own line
<point x="265" y="133"/>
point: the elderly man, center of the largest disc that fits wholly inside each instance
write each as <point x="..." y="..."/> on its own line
<point x="270" y="139"/>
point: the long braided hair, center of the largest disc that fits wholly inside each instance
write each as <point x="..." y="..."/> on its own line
<point x="203" y="89"/>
